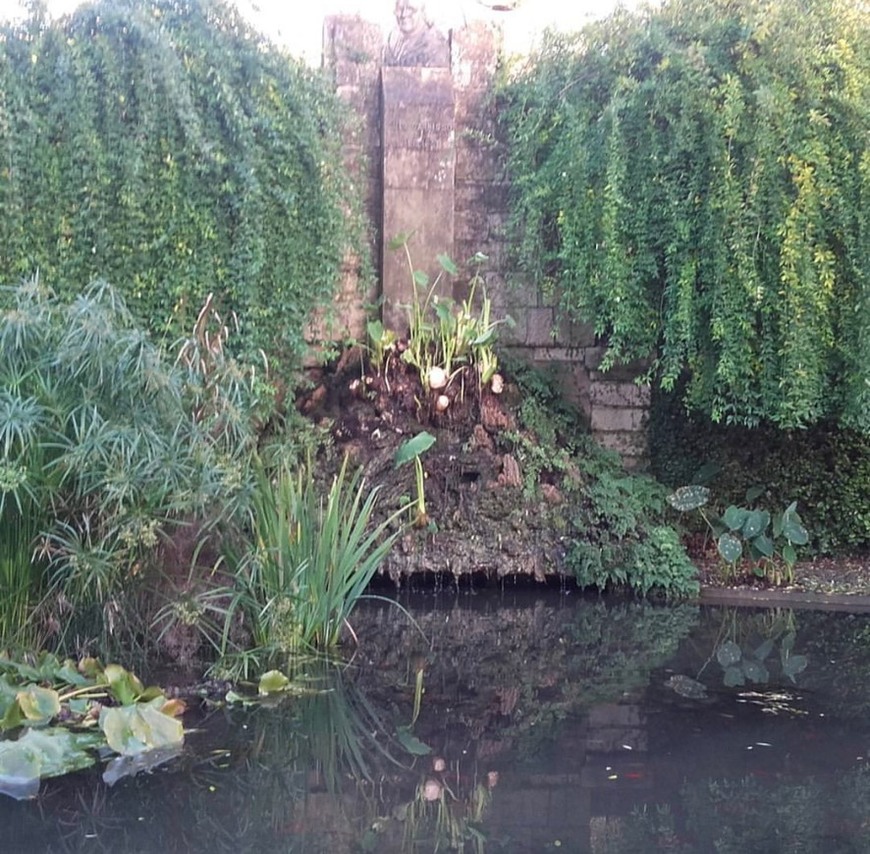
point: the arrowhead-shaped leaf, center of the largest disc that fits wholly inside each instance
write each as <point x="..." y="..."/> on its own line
<point x="730" y="547"/>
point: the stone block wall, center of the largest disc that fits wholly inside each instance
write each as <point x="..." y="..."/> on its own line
<point x="614" y="406"/>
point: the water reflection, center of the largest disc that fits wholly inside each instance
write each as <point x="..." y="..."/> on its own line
<point x="521" y="724"/>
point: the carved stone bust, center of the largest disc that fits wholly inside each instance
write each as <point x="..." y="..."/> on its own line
<point x="415" y="41"/>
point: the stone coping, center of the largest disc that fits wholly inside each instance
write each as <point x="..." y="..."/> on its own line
<point x="744" y="597"/>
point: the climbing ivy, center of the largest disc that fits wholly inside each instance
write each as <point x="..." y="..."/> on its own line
<point x="167" y="147"/>
<point x="695" y="180"/>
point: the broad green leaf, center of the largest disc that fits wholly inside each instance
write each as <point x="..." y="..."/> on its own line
<point x="38" y="705"/>
<point x="421" y="278"/>
<point x="706" y="473"/>
<point x="447" y="263"/>
<point x="795" y="532"/>
<point x="399" y="240"/>
<point x="735" y="517"/>
<point x="13" y="717"/>
<point x="485" y="338"/>
<point x="787" y="644"/>
<point x="444" y="311"/>
<point x="733" y="677"/>
<point x="90" y="667"/>
<point x="131" y="730"/>
<point x="411" y="743"/>
<point x="123" y="685"/>
<point x="688" y="498"/>
<point x="763" y="545"/>
<point x="755" y="671"/>
<point x="754" y="492"/>
<point x="375" y="330"/>
<point x="69" y="673"/>
<point x="793" y="665"/>
<point x="730" y="547"/>
<point x="413" y="448"/>
<point x="43" y="753"/>
<point x="789" y="555"/>
<point x="756" y="521"/>
<point x="728" y="653"/>
<point x="273" y="682"/>
<point x="763" y="650"/>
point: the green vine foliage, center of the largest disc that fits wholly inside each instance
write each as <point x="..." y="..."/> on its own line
<point x="696" y="181"/>
<point x="165" y="146"/>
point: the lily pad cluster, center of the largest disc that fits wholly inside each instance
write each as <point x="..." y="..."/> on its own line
<point x="57" y="717"/>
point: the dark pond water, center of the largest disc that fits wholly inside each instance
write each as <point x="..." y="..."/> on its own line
<point x="552" y="723"/>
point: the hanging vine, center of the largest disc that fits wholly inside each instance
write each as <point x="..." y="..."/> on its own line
<point x="167" y="147"/>
<point x="695" y="180"/>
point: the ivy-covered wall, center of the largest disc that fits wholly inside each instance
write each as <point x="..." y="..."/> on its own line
<point x="695" y="181"/>
<point x="168" y="148"/>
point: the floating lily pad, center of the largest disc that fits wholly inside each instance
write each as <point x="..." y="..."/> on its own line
<point x="38" y="705"/>
<point x="39" y="754"/>
<point x="273" y="682"/>
<point x="129" y="766"/>
<point x="131" y="730"/>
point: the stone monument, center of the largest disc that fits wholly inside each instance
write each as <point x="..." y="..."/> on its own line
<point x="419" y="156"/>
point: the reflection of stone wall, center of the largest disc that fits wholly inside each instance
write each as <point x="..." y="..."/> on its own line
<point x="615" y="407"/>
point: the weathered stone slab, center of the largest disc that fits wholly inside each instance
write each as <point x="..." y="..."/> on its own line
<point x="419" y="169"/>
<point x="615" y="418"/>
<point x="620" y="394"/>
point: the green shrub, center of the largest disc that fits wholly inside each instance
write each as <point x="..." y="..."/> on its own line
<point x="825" y="469"/>
<point x="617" y="534"/>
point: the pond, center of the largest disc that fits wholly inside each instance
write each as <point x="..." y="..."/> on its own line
<point x="522" y="722"/>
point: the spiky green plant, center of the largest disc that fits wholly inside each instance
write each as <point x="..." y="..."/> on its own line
<point x="105" y="443"/>
<point x="310" y="558"/>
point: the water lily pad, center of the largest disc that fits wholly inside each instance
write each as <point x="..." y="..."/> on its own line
<point x="273" y="682"/>
<point x="129" y="766"/>
<point x="43" y="753"/>
<point x="125" y="687"/>
<point x="131" y="730"/>
<point x="38" y="705"/>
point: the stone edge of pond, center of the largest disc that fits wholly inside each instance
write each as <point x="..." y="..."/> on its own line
<point x="858" y="603"/>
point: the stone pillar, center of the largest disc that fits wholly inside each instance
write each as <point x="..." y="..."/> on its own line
<point x="352" y="49"/>
<point x="419" y="164"/>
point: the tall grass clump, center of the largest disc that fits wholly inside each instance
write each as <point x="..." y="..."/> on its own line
<point x="310" y="557"/>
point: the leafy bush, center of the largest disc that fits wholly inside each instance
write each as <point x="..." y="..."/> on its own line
<point x="170" y="149"/>
<point x="616" y="534"/>
<point x="746" y="532"/>
<point x="826" y="469"/>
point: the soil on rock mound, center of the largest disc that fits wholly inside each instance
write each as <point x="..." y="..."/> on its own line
<point x="480" y="522"/>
